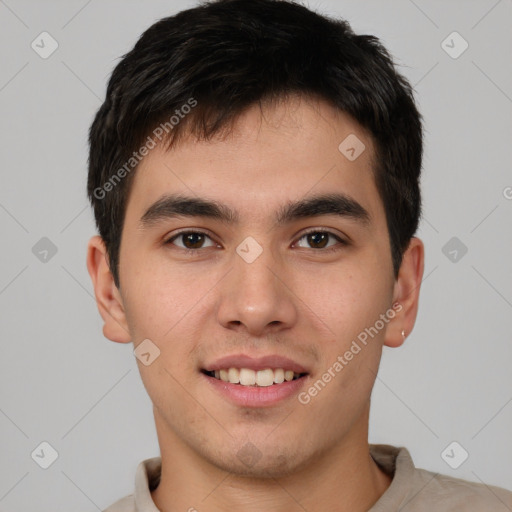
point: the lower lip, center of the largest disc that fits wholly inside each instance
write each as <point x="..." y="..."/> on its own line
<point x="256" y="396"/>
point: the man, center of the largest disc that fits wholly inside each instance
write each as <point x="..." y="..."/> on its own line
<point x="254" y="173"/>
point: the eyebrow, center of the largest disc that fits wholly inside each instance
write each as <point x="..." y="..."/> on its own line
<point x="175" y="205"/>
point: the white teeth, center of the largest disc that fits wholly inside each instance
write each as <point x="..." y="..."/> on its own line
<point x="248" y="377"/>
<point x="234" y="375"/>
<point x="265" y="377"/>
<point x="278" y="375"/>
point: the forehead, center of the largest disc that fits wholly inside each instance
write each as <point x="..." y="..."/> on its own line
<point x="272" y="155"/>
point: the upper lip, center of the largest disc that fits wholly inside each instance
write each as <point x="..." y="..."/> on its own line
<point x="256" y="363"/>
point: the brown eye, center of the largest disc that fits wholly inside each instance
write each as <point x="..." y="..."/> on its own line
<point x="190" y="240"/>
<point x="193" y="240"/>
<point x="320" y="240"/>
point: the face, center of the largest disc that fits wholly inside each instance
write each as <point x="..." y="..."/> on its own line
<point x="257" y="280"/>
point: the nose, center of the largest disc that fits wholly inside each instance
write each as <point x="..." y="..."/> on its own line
<point x="256" y="297"/>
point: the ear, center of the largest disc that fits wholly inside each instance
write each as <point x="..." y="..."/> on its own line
<point x="108" y="297"/>
<point x="406" y="294"/>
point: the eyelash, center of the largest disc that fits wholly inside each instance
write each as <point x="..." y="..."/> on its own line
<point x="194" y="252"/>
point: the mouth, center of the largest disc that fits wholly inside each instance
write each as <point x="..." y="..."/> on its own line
<point x="249" y="377"/>
<point x="255" y="381"/>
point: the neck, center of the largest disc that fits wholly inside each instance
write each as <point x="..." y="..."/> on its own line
<point x="346" y="478"/>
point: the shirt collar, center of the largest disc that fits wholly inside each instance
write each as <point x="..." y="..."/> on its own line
<point x="147" y="478"/>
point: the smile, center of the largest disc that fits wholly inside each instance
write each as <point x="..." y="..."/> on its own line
<point x="248" y="377"/>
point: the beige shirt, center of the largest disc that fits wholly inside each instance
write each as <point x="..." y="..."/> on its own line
<point x="412" y="489"/>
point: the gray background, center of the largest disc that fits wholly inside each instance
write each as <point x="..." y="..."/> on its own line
<point x="63" y="383"/>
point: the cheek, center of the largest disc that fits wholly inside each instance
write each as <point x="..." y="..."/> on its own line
<point x="167" y="309"/>
<point x="347" y="300"/>
<point x="158" y="298"/>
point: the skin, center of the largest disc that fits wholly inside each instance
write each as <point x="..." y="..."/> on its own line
<point x="294" y="300"/>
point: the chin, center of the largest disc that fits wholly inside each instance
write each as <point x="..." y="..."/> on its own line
<point x="251" y="463"/>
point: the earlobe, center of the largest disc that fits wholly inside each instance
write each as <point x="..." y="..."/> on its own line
<point x="108" y="298"/>
<point x="406" y="293"/>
